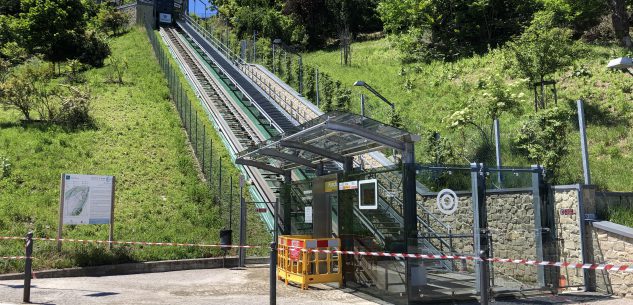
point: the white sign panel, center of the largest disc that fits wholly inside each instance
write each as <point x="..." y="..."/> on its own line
<point x="349" y="185"/>
<point x="308" y="215"/>
<point x="368" y="194"/>
<point x="87" y="199"/>
<point x="164" y="18"/>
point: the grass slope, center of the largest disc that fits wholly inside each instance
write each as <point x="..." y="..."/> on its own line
<point x="427" y="93"/>
<point x="139" y="140"/>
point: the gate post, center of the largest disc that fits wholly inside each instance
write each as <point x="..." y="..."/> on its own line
<point x="544" y="230"/>
<point x="286" y="201"/>
<point x="480" y="231"/>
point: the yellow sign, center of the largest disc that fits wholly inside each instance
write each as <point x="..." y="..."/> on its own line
<point x="331" y="186"/>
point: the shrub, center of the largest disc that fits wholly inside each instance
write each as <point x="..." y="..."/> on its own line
<point x="94" y="51"/>
<point x="118" y="67"/>
<point x="543" y="138"/>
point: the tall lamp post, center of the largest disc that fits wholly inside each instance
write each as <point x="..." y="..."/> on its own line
<point x="276" y="43"/>
<point x="361" y="83"/>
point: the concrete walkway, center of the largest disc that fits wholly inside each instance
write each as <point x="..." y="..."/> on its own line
<point x="212" y="286"/>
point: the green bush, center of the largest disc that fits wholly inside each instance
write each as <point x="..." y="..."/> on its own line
<point x="94" y="51"/>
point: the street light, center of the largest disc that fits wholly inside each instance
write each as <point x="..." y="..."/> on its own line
<point x="622" y="63"/>
<point x="361" y="83"/>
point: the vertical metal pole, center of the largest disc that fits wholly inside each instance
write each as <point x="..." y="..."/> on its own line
<point x="254" y="46"/>
<point x="195" y="147"/>
<point x="285" y="196"/>
<point x="220" y="180"/>
<point x="111" y="233"/>
<point x="273" y="257"/>
<point x="316" y="85"/>
<point x="498" y="150"/>
<point x="61" y="214"/>
<point x="300" y="75"/>
<point x="242" y="252"/>
<point x="230" y="200"/>
<point x="28" y="272"/>
<point x="204" y="141"/>
<point x="583" y="141"/>
<point x="211" y="166"/>
<point x="413" y="267"/>
<point x="537" y="200"/>
<point x="362" y="105"/>
<point x="480" y="230"/>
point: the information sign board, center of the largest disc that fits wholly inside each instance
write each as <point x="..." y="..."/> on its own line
<point x="87" y="199"/>
<point x="368" y="194"/>
<point x="308" y="215"/>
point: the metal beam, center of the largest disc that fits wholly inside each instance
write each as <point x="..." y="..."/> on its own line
<point x="313" y="149"/>
<point x="364" y="133"/>
<point x="288" y="157"/>
<point x="260" y="165"/>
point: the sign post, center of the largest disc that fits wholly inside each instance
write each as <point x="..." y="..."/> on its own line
<point x="86" y="199"/>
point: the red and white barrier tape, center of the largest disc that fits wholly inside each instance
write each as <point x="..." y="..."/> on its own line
<point x="141" y="243"/>
<point x="608" y="267"/>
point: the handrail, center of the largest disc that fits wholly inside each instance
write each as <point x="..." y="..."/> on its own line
<point x="236" y="84"/>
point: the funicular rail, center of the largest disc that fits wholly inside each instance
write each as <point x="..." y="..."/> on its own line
<point x="231" y="121"/>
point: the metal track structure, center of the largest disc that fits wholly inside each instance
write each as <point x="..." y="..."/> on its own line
<point x="233" y="123"/>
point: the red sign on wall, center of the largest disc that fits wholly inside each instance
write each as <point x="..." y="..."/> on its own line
<point x="567" y="212"/>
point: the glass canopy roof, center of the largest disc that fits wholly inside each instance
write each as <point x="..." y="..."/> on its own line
<point x="333" y="136"/>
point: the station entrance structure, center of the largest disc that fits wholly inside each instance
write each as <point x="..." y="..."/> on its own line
<point x="410" y="208"/>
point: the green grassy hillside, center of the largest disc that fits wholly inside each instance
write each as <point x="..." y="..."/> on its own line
<point x="425" y="94"/>
<point x="138" y="138"/>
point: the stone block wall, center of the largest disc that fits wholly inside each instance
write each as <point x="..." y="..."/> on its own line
<point x="614" y="249"/>
<point x="511" y="223"/>
<point x="568" y="231"/>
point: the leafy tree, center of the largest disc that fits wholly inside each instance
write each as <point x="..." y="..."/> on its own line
<point x="112" y="20"/>
<point x="53" y="28"/>
<point x="24" y="87"/>
<point x="9" y="7"/>
<point x="94" y="50"/>
<point x="449" y="28"/>
<point x="621" y="23"/>
<point x="541" y="50"/>
<point x="543" y="138"/>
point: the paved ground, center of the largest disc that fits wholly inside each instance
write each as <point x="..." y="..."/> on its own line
<point x="216" y="286"/>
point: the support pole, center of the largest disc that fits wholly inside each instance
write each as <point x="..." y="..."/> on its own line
<point x="242" y="252"/>
<point x="583" y="141"/>
<point x="480" y="230"/>
<point x="28" y="272"/>
<point x="498" y="151"/>
<point x="362" y="105"/>
<point x="273" y="257"/>
<point x="316" y="85"/>
<point x="415" y="272"/>
<point x="286" y="203"/>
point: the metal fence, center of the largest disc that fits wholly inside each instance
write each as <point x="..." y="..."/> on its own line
<point x="197" y="126"/>
<point x="608" y="203"/>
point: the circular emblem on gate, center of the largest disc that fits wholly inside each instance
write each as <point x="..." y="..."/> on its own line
<point x="447" y="201"/>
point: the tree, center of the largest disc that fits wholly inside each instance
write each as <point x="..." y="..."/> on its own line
<point x="541" y="50"/>
<point x="112" y="20"/>
<point x="447" y="29"/>
<point x="620" y="20"/>
<point x="54" y="28"/>
<point x="543" y="138"/>
<point x="24" y="87"/>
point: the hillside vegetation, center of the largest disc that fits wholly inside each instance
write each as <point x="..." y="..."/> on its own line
<point x="427" y="94"/>
<point x="137" y="137"/>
